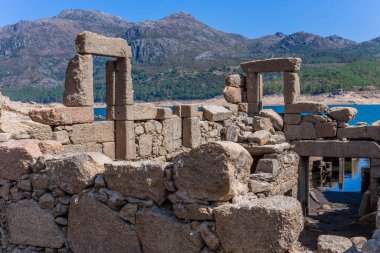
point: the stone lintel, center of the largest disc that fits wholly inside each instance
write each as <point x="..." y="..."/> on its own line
<point x="143" y="111"/>
<point x="335" y="148"/>
<point x="360" y="132"/>
<point x="287" y="64"/>
<point x="92" y="43"/>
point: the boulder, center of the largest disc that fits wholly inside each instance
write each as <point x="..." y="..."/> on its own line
<point x="333" y="244"/>
<point x="28" y="224"/>
<point x="161" y="231"/>
<point x="16" y="156"/>
<point x="342" y="114"/>
<point x="144" y="180"/>
<point x="233" y="95"/>
<point x="76" y="172"/>
<point x="235" y="80"/>
<point x="264" y="225"/>
<point x="274" y="117"/>
<point x="215" y="171"/>
<point x="260" y="137"/>
<point x="216" y="113"/>
<point x="95" y="228"/>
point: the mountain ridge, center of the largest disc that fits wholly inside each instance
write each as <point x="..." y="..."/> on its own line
<point x="35" y="53"/>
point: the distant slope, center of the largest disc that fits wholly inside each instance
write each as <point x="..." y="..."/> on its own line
<point x="174" y="57"/>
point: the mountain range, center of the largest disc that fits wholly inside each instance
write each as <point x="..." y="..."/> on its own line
<point x="174" y="57"/>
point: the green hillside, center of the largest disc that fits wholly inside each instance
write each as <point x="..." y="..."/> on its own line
<point x="178" y="84"/>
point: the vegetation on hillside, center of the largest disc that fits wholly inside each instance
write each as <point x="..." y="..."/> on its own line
<point x="185" y="84"/>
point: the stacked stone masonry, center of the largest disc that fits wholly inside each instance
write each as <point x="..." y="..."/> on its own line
<point x="184" y="179"/>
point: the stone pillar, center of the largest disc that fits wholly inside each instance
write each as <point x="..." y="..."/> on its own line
<point x="110" y="90"/>
<point x="254" y="92"/>
<point x="123" y="82"/>
<point x="374" y="182"/>
<point x="342" y="167"/>
<point x="191" y="132"/>
<point x="79" y="89"/>
<point x="292" y="89"/>
<point x="125" y="140"/>
<point x="304" y="183"/>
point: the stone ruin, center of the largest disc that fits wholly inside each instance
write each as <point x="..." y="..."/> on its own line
<point x="149" y="179"/>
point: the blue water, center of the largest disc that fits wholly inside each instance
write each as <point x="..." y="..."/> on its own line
<point x="366" y="113"/>
<point x="352" y="177"/>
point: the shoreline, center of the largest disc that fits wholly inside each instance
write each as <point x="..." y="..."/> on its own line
<point x="347" y="98"/>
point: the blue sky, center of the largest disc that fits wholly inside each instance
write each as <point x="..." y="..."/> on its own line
<point x="354" y="19"/>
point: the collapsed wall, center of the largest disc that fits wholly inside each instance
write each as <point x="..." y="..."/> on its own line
<point x="147" y="179"/>
<point x="151" y="179"/>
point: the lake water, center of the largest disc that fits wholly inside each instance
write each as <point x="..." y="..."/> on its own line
<point x="352" y="177"/>
<point x="366" y="113"/>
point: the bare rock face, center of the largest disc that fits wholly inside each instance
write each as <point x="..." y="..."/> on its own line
<point x="74" y="173"/>
<point x="137" y="179"/>
<point x="16" y="156"/>
<point x="264" y="225"/>
<point x="161" y="231"/>
<point x="343" y="114"/>
<point x="215" y="171"/>
<point x="29" y="224"/>
<point x="333" y="244"/>
<point x="95" y="228"/>
<point x="274" y="117"/>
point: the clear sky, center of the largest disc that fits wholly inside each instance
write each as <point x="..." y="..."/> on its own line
<point x="358" y="20"/>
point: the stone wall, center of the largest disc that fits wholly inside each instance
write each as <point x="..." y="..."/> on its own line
<point x="85" y="202"/>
